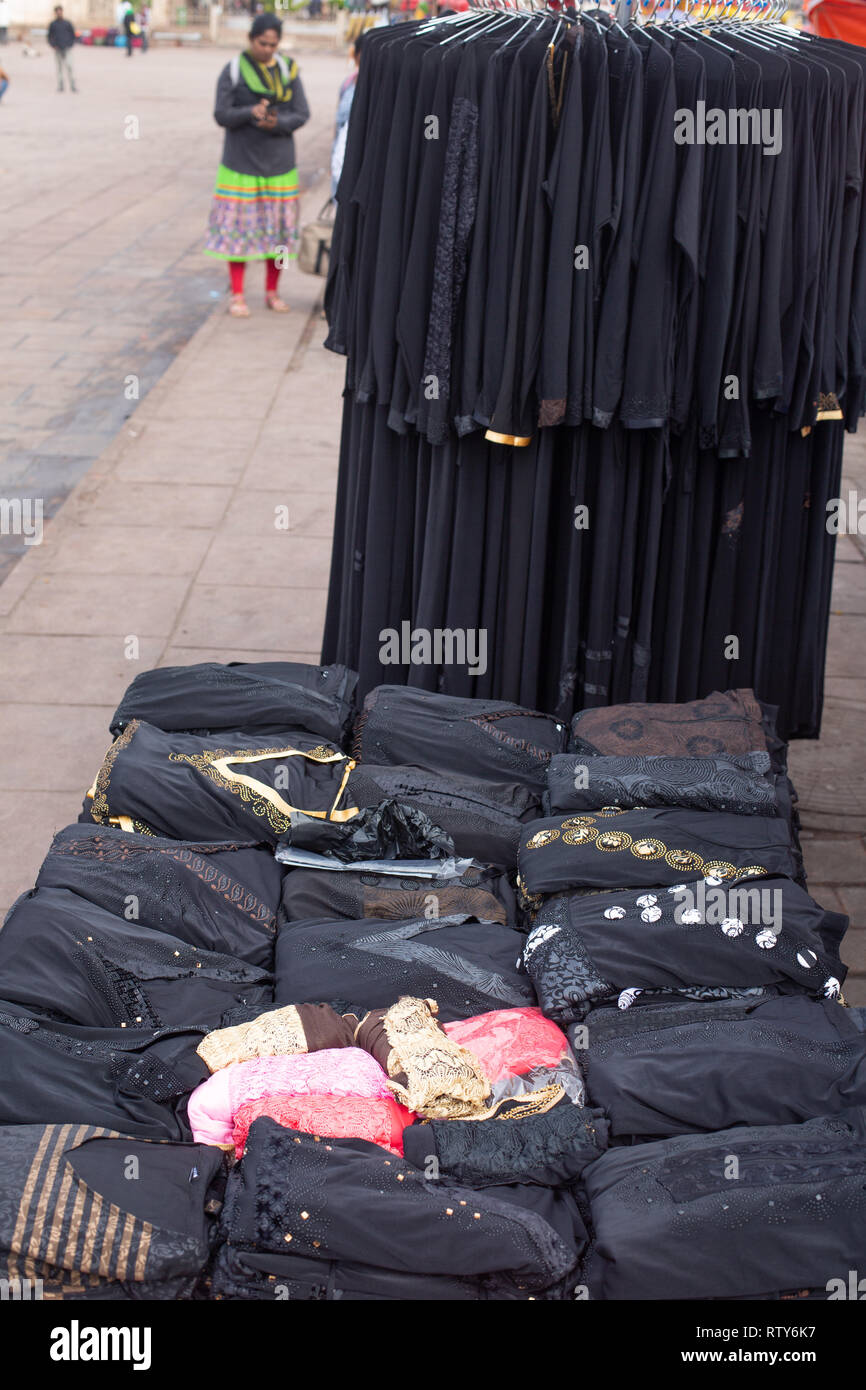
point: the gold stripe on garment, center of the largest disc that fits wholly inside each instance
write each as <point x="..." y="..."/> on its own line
<point x="124" y="822"/>
<point x="85" y="1264"/>
<point x="68" y="1257"/>
<point x="108" y="1241"/>
<point x="59" y="1207"/>
<point x="125" y="1245"/>
<point x="316" y="755"/>
<point x="143" y="1250"/>
<point x="27" y="1198"/>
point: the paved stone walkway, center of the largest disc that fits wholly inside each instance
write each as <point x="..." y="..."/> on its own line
<point x="171" y="545"/>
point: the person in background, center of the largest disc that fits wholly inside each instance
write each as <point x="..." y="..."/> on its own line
<point x="4" y="82"/>
<point x="4" y="22"/>
<point x="144" y="26"/>
<point x="130" y="29"/>
<point x="61" y="37"/>
<point x="344" y="107"/>
<point x="260" y="103"/>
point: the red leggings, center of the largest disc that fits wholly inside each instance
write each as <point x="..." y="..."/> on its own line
<point x="236" y="276"/>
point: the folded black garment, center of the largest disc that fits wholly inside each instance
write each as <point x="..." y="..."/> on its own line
<point x="484" y="819"/>
<point x="604" y="946"/>
<point x="63" y="957"/>
<point x="550" y="1150"/>
<point x="347" y="1203"/>
<point x="727" y="721"/>
<point x="485" y="739"/>
<point x="226" y="787"/>
<point x="135" y="1080"/>
<point x="726" y="782"/>
<point x="743" y="1213"/>
<point x="91" y="1215"/>
<point x="482" y="892"/>
<point x="266" y="696"/>
<point x="468" y="967"/>
<point x="218" y="895"/>
<point x="609" y="849"/>
<point x="660" y="1070"/>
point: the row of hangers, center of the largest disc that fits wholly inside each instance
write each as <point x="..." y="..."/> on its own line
<point x="484" y="15"/>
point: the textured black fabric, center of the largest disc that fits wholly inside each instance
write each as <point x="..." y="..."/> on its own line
<point x="265" y="696"/>
<point x="62" y="955"/>
<point x="550" y="1150"/>
<point x="660" y="1070"/>
<point x="218" y="896"/>
<point x="653" y="847"/>
<point x="467" y="967"/>
<point x="95" y="1214"/>
<point x="725" y="783"/>
<point x="583" y="950"/>
<point x="135" y="1080"/>
<point x="751" y="1212"/>
<point x="481" y="893"/>
<point x="168" y="784"/>
<point x="489" y="740"/>
<point x="349" y="1202"/>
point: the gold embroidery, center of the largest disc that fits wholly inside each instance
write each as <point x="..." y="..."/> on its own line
<point x="542" y="838"/>
<point x="684" y="859"/>
<point x="216" y="764"/>
<point x="752" y="871"/>
<point x="614" y="810"/>
<point x="613" y="840"/>
<point x="720" y="868"/>
<point x="580" y="835"/>
<point x="278" y="1033"/>
<point x="578" y="821"/>
<point x="648" y="848"/>
<point x="99" y="809"/>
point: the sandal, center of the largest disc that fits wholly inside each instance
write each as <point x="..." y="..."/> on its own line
<point x="273" y="301"/>
<point x="238" y="307"/>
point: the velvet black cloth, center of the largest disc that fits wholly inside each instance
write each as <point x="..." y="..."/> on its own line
<point x="655" y="847"/>
<point x="467" y="967"/>
<point x="754" y="1212"/>
<point x="95" y="1214"/>
<point x="483" y="893"/>
<point x="266" y="696"/>
<point x="549" y="1150"/>
<point x="135" y="1080"/>
<point x="218" y="895"/>
<point x="585" y="949"/>
<point x="76" y="963"/>
<point x="661" y="1069"/>
<point x="364" y="1215"/>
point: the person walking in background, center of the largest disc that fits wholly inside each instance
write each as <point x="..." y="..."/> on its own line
<point x="144" y="26"/>
<point x="260" y="103"/>
<point x="4" y="22"/>
<point x="4" y="82"/>
<point x="61" y="37"/>
<point x="344" y="107"/>
<point x="130" y="29"/>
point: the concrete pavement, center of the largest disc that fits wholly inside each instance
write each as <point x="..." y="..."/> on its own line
<point x="196" y="523"/>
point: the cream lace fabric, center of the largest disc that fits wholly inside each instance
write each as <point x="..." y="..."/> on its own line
<point x="443" y="1080"/>
<point x="278" y="1033"/>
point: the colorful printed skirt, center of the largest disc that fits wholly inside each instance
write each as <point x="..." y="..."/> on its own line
<point x="252" y="218"/>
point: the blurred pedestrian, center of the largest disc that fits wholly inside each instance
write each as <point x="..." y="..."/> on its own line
<point x="130" y="29"/>
<point x="4" y="21"/>
<point x="260" y="103"/>
<point x="4" y="82"/>
<point x="344" y="108"/>
<point x="61" y="37"/>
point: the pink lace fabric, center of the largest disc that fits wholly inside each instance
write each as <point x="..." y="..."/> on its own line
<point x="329" y="1117"/>
<point x="510" y="1042"/>
<point x="337" y="1071"/>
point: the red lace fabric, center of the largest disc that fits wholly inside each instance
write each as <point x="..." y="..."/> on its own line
<point x="335" y="1117"/>
<point x="509" y="1042"/>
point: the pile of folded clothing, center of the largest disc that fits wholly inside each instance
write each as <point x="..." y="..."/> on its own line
<point x="437" y="999"/>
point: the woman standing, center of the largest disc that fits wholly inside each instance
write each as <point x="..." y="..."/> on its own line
<point x="260" y="102"/>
